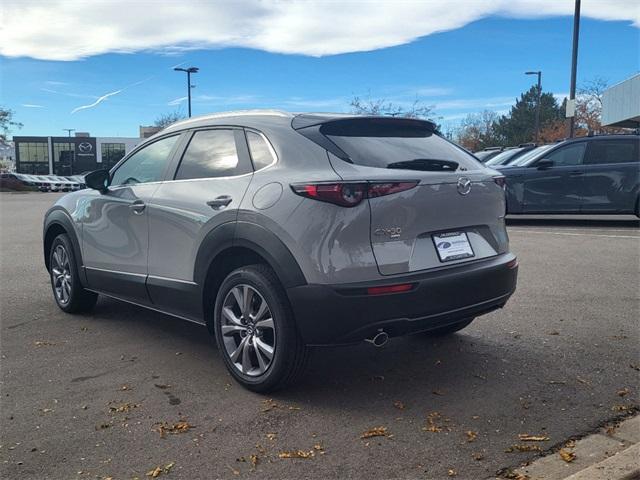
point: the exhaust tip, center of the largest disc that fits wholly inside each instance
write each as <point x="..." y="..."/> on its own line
<point x="379" y="339"/>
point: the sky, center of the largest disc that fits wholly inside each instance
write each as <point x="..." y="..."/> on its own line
<point x="106" y="67"/>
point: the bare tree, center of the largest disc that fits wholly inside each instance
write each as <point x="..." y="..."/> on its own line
<point x="6" y="123"/>
<point x="166" y="119"/>
<point x="477" y="131"/>
<point x="380" y="106"/>
<point x="589" y="107"/>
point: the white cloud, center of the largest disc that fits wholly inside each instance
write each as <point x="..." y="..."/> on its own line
<point x="82" y="29"/>
<point x="32" y="105"/>
<point x="176" y="101"/>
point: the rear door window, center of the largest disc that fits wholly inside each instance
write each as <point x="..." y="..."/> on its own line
<point x="395" y="144"/>
<point x="211" y="154"/>
<point x="612" y="151"/>
<point x="567" y="156"/>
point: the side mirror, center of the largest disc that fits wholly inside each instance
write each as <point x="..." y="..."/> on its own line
<point x="98" y="180"/>
<point x="544" y="164"/>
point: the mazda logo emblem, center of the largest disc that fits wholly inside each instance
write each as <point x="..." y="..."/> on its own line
<point x="464" y="185"/>
<point x="85" y="147"/>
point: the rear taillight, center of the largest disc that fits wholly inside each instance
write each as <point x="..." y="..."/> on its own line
<point x="386" y="289"/>
<point x="500" y="181"/>
<point x="349" y="194"/>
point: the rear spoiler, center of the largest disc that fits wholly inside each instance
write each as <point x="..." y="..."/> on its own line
<point x="316" y="127"/>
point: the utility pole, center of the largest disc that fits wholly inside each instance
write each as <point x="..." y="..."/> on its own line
<point x="574" y="67"/>
<point x="188" y="71"/>
<point x="69" y="130"/>
<point x="538" y="95"/>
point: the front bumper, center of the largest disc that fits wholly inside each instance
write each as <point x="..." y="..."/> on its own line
<point x="342" y="314"/>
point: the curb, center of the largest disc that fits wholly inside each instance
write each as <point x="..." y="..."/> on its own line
<point x="610" y="454"/>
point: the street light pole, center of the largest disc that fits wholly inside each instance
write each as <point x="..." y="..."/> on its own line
<point x="539" y="93"/>
<point x="189" y="71"/>
<point x="574" y="65"/>
<point x="69" y="130"/>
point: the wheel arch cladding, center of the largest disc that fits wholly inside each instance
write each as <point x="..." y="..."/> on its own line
<point x="57" y="222"/>
<point x="233" y="245"/>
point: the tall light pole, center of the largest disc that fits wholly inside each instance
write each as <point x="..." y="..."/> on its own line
<point x="539" y="93"/>
<point x="189" y="71"/>
<point x="69" y="130"/>
<point x="574" y="66"/>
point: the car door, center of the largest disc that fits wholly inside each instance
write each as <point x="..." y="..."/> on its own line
<point x="210" y="180"/>
<point x="553" y="184"/>
<point x="611" y="175"/>
<point x="115" y="224"/>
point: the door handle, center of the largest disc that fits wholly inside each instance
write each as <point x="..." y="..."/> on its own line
<point x="220" y="202"/>
<point x="138" y="207"/>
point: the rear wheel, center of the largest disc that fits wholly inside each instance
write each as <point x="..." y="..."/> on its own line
<point x="449" y="329"/>
<point x="255" y="330"/>
<point x="68" y="293"/>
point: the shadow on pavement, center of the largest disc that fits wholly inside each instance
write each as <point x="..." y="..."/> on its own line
<point x="605" y="221"/>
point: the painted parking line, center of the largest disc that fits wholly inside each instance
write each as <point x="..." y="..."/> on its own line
<point x="572" y="234"/>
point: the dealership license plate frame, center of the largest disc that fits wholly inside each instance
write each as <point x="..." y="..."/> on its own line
<point x="464" y="250"/>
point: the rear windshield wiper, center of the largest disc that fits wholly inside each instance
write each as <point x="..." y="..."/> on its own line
<point x="426" y="165"/>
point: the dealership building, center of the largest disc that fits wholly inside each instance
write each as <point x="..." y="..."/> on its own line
<point x="71" y="155"/>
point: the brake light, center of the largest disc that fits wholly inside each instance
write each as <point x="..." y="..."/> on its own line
<point x="404" y="287"/>
<point x="346" y="194"/>
<point x="500" y="181"/>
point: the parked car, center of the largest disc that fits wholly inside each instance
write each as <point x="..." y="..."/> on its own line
<point x="509" y="155"/>
<point x="487" y="153"/>
<point x="15" y="182"/>
<point x="280" y="231"/>
<point x="599" y="174"/>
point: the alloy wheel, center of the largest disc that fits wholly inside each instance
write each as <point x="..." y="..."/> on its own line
<point x="248" y="330"/>
<point x="61" y="274"/>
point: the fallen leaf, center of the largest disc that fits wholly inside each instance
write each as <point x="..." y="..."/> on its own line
<point x="375" y="432"/>
<point x="478" y="456"/>
<point x="297" y="454"/>
<point x="525" y="437"/>
<point x="271" y="436"/>
<point x="582" y="380"/>
<point x="168" y="467"/>
<point x="180" y="427"/>
<point x="432" y="423"/>
<point x="635" y="366"/>
<point x="452" y="473"/>
<point x="398" y="404"/>
<point x="523" y="448"/>
<point x="254" y="460"/>
<point x="566" y="455"/>
<point x="123" y="408"/>
<point x="156" y="472"/>
<point x="233" y="470"/>
<point x="161" y="386"/>
<point x="620" y="408"/>
<point x="622" y="392"/>
<point x="471" y="435"/>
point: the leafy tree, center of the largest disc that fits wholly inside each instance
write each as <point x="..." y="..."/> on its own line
<point x="166" y="119"/>
<point x="369" y="106"/>
<point x="518" y="126"/>
<point x="6" y="123"/>
<point x="477" y="131"/>
<point x="589" y="108"/>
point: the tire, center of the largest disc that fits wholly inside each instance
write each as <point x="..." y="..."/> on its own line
<point x="235" y="325"/>
<point x="449" y="329"/>
<point x="68" y="293"/>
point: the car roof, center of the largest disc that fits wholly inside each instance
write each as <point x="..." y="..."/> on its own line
<point x="264" y="118"/>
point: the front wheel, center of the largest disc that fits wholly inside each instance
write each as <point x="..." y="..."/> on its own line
<point x="255" y="330"/>
<point x="69" y="294"/>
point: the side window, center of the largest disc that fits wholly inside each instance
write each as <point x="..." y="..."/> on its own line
<point x="210" y="154"/>
<point x="567" y="156"/>
<point x="260" y="151"/>
<point x="146" y="165"/>
<point x="612" y="151"/>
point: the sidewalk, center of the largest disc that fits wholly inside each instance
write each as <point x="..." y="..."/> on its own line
<point x="611" y="454"/>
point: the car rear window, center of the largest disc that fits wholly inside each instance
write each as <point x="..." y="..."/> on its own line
<point x="397" y="144"/>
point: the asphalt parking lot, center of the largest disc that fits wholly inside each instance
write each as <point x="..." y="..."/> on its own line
<point x="103" y="395"/>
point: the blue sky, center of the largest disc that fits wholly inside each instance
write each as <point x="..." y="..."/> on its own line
<point x="467" y="69"/>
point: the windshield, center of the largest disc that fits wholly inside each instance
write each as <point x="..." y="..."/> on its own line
<point x="503" y="157"/>
<point x="530" y="156"/>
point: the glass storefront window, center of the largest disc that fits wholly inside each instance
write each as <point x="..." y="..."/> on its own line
<point x="63" y="158"/>
<point x="111" y="154"/>
<point x="33" y="158"/>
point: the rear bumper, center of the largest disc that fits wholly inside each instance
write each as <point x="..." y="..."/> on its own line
<point x="342" y="314"/>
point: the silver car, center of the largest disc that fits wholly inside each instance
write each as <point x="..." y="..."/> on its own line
<point x="280" y="232"/>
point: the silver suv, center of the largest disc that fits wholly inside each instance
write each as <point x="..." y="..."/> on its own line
<point x="280" y="232"/>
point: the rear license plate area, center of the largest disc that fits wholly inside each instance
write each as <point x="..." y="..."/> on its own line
<point x="452" y="246"/>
